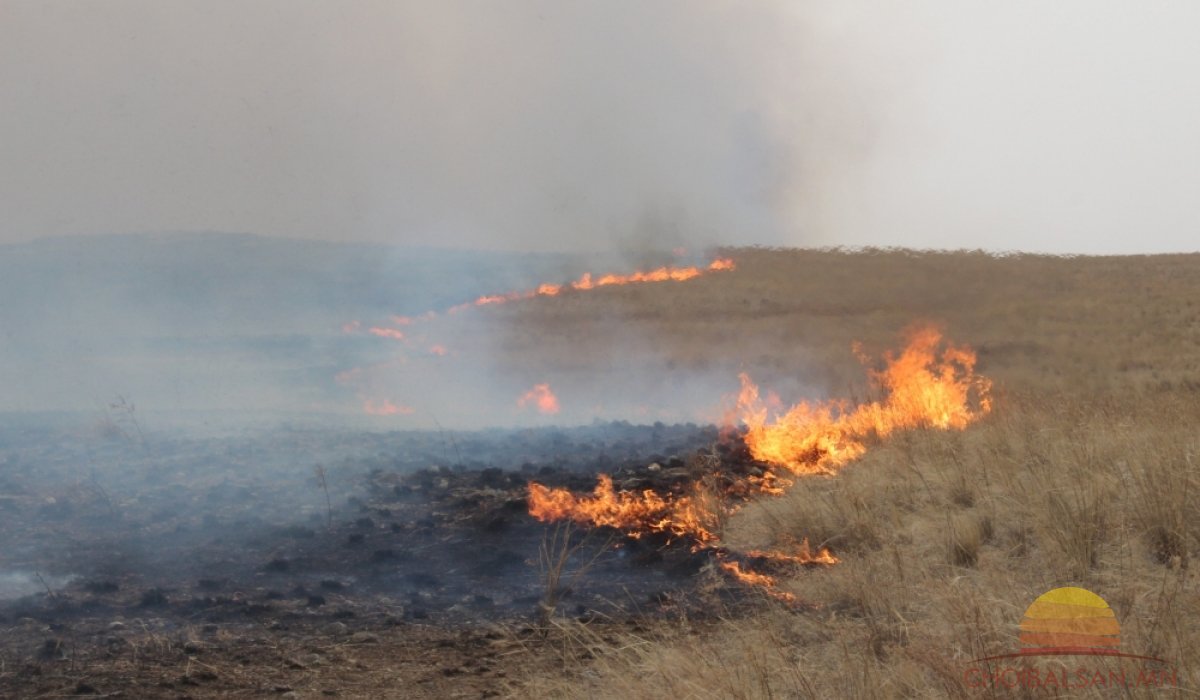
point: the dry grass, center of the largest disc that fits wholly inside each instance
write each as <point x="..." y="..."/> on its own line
<point x="558" y="548"/>
<point x="1085" y="473"/>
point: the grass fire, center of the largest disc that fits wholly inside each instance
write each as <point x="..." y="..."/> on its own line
<point x="842" y="474"/>
<point x="920" y="387"/>
<point x="599" y="349"/>
<point x="587" y="282"/>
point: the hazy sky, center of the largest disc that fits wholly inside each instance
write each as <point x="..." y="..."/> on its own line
<point x="1068" y="126"/>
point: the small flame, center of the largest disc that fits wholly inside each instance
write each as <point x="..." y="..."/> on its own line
<point x="542" y="397"/>
<point x="392" y="333"/>
<point x="386" y="408"/>
<point x="439" y="350"/>
<point x="752" y="578"/>
<point x="803" y="555"/>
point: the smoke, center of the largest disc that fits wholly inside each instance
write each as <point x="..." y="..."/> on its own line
<point x="582" y="127"/>
<point x="1053" y="127"/>
<point x="595" y="125"/>
<point x="228" y="329"/>
<point x="533" y="125"/>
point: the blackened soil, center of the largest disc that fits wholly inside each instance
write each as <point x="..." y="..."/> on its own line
<point x="187" y="561"/>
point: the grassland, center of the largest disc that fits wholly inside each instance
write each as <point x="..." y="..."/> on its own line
<point x="1084" y="474"/>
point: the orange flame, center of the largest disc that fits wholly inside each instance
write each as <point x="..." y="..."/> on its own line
<point x="386" y="408"/>
<point x="923" y="388"/>
<point x="635" y="513"/>
<point x="803" y="555"/>
<point x="586" y="282"/>
<point x="645" y="512"/>
<point x="392" y="333"/>
<point x="752" y="578"/>
<point x="541" y="397"/>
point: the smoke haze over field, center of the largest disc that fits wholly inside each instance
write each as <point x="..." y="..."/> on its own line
<point x="219" y="327"/>
<point x="1063" y="127"/>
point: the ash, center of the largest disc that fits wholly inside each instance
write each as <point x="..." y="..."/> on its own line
<point x="288" y="526"/>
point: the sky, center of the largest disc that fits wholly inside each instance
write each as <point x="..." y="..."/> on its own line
<point x="1064" y="126"/>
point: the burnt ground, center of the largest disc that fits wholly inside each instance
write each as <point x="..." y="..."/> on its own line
<point x="317" y="562"/>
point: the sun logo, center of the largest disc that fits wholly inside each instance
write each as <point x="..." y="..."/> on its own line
<point x="1074" y="622"/>
<point x="1070" y="620"/>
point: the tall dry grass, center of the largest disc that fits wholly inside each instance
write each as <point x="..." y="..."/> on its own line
<point x="1084" y="474"/>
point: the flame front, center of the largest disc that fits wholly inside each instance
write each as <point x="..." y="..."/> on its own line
<point x="925" y="385"/>
<point x="587" y="282"/>
<point x="922" y="388"/>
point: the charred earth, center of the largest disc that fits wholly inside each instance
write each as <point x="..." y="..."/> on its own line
<point x="282" y="561"/>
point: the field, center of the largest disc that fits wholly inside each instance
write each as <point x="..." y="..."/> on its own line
<point x="1083" y="474"/>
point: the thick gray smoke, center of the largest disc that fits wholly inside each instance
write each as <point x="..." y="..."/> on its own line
<point x="551" y="125"/>
<point x="530" y="125"/>
<point x="543" y="124"/>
